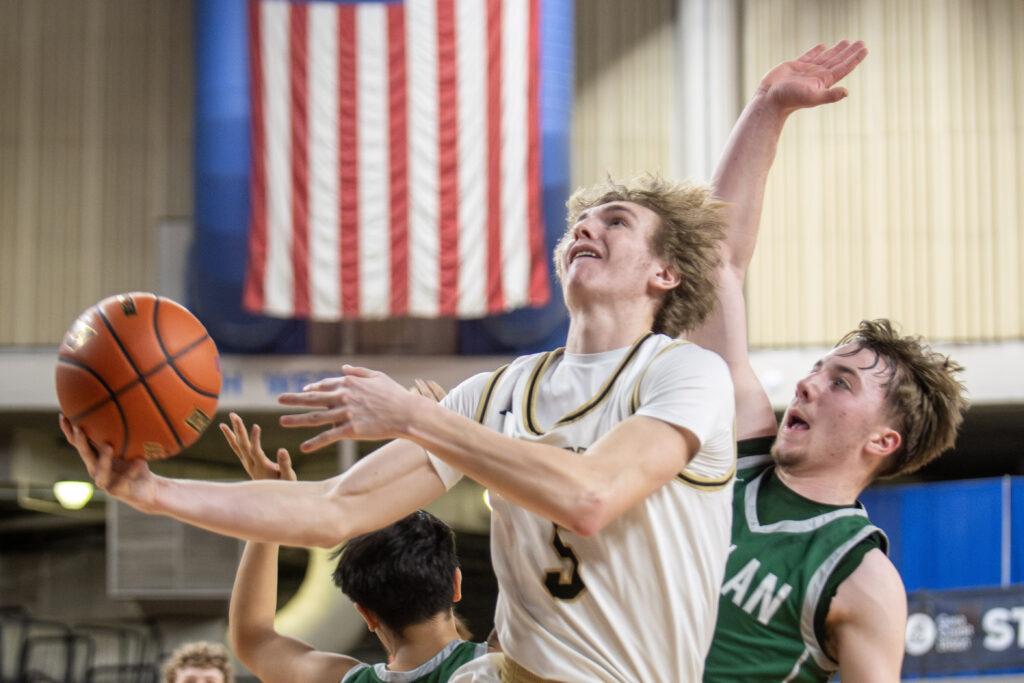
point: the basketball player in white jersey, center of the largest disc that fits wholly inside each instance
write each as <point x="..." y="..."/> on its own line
<point x="610" y="463"/>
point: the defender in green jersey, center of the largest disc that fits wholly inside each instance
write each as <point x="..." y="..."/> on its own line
<point x="808" y="587"/>
<point x="788" y="557"/>
<point x="404" y="580"/>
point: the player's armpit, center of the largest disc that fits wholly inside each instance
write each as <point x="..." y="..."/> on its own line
<point x="867" y="621"/>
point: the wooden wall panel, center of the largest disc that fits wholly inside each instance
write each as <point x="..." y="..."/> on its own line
<point x="903" y="200"/>
<point x="623" y="99"/>
<point x="95" y="147"/>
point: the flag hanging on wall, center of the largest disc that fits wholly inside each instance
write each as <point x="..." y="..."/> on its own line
<point x="396" y="159"/>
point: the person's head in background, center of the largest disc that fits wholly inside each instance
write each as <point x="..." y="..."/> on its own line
<point x="402" y="575"/>
<point x="199" y="662"/>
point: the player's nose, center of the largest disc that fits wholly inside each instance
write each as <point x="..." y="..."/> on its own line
<point x="588" y="228"/>
<point x="807" y="388"/>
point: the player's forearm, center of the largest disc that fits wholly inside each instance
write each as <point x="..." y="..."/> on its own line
<point x="550" y="481"/>
<point x="289" y="513"/>
<point x="742" y="173"/>
<point x="740" y="180"/>
<point x="253" y="602"/>
<point x="272" y="656"/>
<point x="579" y="493"/>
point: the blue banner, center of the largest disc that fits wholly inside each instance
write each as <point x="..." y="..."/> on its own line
<point x="962" y="632"/>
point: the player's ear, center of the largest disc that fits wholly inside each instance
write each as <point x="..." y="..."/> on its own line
<point x="369" y="617"/>
<point x="884" y="442"/>
<point x="457" y="595"/>
<point x="665" y="278"/>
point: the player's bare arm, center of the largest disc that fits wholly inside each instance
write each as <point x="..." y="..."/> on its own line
<point x="380" y="489"/>
<point x="740" y="176"/>
<point x="739" y="180"/>
<point x="272" y="656"/>
<point x="625" y="466"/>
<point x="867" y="621"/>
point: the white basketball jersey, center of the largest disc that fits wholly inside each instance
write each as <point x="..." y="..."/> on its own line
<point x="637" y="600"/>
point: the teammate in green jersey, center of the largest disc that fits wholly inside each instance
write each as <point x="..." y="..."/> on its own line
<point x="404" y="580"/>
<point x="808" y="588"/>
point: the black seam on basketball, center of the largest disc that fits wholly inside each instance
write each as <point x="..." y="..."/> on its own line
<point x="171" y="359"/>
<point x="112" y="397"/>
<point x="142" y="378"/>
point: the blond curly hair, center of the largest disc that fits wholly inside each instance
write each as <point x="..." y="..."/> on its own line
<point x="200" y="655"/>
<point x="691" y="225"/>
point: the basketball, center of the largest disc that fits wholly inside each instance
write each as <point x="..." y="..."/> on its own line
<point x="140" y="372"/>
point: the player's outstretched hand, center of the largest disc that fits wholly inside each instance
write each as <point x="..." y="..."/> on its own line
<point x="246" y="446"/>
<point x="127" y="480"/>
<point x="809" y="80"/>
<point x="361" y="404"/>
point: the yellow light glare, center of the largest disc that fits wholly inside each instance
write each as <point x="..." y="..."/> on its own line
<point x="73" y="495"/>
<point x="487" y="499"/>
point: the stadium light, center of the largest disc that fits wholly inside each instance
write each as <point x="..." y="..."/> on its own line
<point x="73" y="495"/>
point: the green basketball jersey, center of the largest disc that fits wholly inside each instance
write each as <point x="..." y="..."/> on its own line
<point x="438" y="669"/>
<point x="788" y="556"/>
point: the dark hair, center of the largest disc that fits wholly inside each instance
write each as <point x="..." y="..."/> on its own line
<point x="403" y="573"/>
<point x="923" y="394"/>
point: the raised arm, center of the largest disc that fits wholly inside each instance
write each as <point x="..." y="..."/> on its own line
<point x="739" y="180"/>
<point x="270" y="655"/>
<point x="381" y="488"/>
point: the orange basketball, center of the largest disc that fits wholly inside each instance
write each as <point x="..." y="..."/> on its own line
<point x="140" y="372"/>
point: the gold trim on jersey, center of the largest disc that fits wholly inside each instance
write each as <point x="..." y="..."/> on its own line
<point x="539" y="369"/>
<point x="713" y="483"/>
<point x="514" y="672"/>
<point x="488" y="393"/>
<point x="707" y="483"/>
<point x="634" y="399"/>
<point x="529" y="397"/>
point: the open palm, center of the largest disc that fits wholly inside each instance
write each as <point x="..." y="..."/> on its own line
<point x="809" y="80"/>
<point x="250" y="452"/>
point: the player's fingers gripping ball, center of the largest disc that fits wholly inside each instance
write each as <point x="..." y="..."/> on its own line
<point x="140" y="372"/>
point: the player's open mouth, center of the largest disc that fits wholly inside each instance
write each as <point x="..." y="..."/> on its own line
<point x="582" y="252"/>
<point x="796" y="423"/>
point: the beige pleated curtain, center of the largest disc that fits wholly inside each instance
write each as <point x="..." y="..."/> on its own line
<point x="903" y="201"/>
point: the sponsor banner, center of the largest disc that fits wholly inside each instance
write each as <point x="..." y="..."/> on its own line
<point x="965" y="631"/>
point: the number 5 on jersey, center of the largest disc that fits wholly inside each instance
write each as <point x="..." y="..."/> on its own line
<point x="555" y="580"/>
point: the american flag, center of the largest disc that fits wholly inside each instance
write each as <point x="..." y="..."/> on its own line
<point x="396" y="159"/>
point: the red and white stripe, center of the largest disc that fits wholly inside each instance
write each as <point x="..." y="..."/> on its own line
<point x="396" y="159"/>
